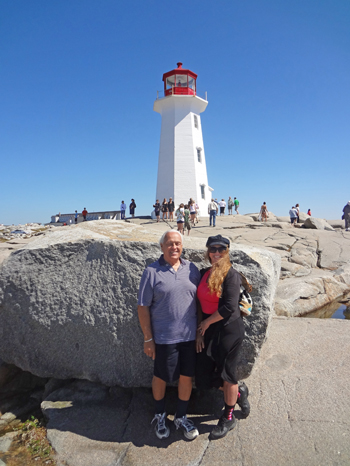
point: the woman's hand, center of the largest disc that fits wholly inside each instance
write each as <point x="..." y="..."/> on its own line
<point x="149" y="349"/>
<point x="203" y="326"/>
<point x="199" y="342"/>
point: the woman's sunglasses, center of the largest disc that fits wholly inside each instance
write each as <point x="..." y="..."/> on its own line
<point x="220" y="249"/>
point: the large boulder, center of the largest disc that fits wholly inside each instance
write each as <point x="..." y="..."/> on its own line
<point x="68" y="305"/>
<point x="317" y="224"/>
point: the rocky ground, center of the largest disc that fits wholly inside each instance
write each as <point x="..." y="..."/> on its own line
<point x="291" y="422"/>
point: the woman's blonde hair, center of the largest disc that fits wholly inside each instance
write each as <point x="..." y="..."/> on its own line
<point x="218" y="273"/>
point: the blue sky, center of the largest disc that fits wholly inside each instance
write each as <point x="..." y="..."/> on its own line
<point x="79" y="78"/>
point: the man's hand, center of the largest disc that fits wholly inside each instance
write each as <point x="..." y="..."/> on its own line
<point x="149" y="349"/>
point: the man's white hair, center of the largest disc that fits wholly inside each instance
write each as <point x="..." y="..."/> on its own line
<point x="162" y="239"/>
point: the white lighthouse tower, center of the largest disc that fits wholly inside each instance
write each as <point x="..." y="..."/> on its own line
<point x="182" y="172"/>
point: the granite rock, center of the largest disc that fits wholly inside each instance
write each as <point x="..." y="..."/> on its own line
<point x="68" y="309"/>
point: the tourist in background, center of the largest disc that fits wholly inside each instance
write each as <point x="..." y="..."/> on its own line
<point x="76" y="217"/>
<point x="263" y="212"/>
<point x="298" y="212"/>
<point x="132" y="207"/>
<point x="212" y="211"/>
<point x="157" y="210"/>
<point x="84" y="213"/>
<point x="197" y="211"/>
<point x="180" y="218"/>
<point x="221" y="331"/>
<point x="346" y="216"/>
<point x="309" y="212"/>
<point x="230" y="205"/>
<point x="293" y="214"/>
<point x="164" y="209"/>
<point x="222" y="205"/>
<point x="171" y="208"/>
<point x="193" y="211"/>
<point x="122" y="210"/>
<point x="236" y="203"/>
<point x="168" y="317"/>
<point x="187" y="224"/>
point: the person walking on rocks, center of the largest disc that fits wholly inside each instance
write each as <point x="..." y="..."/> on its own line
<point x="220" y="332"/>
<point x="76" y="217"/>
<point x="132" y="207"/>
<point x="84" y="213"/>
<point x="122" y="210"/>
<point x="346" y="216"/>
<point x="222" y="205"/>
<point x="309" y="212"/>
<point x="293" y="213"/>
<point x="263" y="212"/>
<point x="230" y="205"/>
<point x="236" y="203"/>
<point x="298" y="211"/>
<point x="187" y="224"/>
<point x="180" y="218"/>
<point x="212" y="211"/>
<point x="168" y="318"/>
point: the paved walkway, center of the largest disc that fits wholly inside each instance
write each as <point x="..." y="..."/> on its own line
<point x="300" y="399"/>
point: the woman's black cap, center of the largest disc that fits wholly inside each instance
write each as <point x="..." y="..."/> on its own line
<point x="218" y="239"/>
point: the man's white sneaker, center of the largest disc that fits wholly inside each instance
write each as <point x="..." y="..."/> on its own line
<point x="161" y="429"/>
<point x="187" y="427"/>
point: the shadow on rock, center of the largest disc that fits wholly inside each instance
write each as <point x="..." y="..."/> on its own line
<point x="118" y="415"/>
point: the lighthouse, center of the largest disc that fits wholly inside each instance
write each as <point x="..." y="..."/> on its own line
<point x="182" y="172"/>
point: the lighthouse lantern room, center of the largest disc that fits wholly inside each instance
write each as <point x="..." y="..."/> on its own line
<point x="182" y="172"/>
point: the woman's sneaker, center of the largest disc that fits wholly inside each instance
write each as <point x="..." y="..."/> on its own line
<point x="187" y="427"/>
<point x="242" y="399"/>
<point x="161" y="429"/>
<point x="222" y="428"/>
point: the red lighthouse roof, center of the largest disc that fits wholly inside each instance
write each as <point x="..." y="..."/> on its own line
<point x="179" y="81"/>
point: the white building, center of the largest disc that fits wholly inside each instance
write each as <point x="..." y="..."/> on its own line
<point x="182" y="172"/>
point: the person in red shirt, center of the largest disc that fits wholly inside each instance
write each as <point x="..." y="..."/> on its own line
<point x="84" y="212"/>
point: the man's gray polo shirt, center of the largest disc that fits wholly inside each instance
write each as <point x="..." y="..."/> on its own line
<point x="171" y="298"/>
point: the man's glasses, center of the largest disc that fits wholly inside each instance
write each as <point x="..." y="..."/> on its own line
<point x="220" y="249"/>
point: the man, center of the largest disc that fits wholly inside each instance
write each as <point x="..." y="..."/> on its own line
<point x="76" y="217"/>
<point x="168" y="318"/>
<point x="346" y="216"/>
<point x="84" y="213"/>
<point x="236" y="203"/>
<point x="122" y="210"/>
<point x="293" y="216"/>
<point x="212" y="211"/>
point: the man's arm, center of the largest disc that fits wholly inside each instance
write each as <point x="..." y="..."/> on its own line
<point x="149" y="346"/>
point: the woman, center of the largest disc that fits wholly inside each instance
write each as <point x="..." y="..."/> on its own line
<point x="220" y="332"/>
<point x="193" y="212"/>
<point x="165" y="209"/>
<point x="171" y="208"/>
<point x="180" y="218"/>
<point x="264" y="212"/>
<point x="132" y="207"/>
<point x="157" y="209"/>
<point x="298" y="212"/>
<point x="309" y="212"/>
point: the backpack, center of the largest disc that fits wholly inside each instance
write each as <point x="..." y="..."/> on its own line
<point x="245" y="300"/>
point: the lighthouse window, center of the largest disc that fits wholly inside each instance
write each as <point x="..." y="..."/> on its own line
<point x="202" y="191"/>
<point x="181" y="80"/>
<point x="170" y="82"/>
<point x="191" y="83"/>
<point x="199" y="155"/>
<point x="195" y="119"/>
